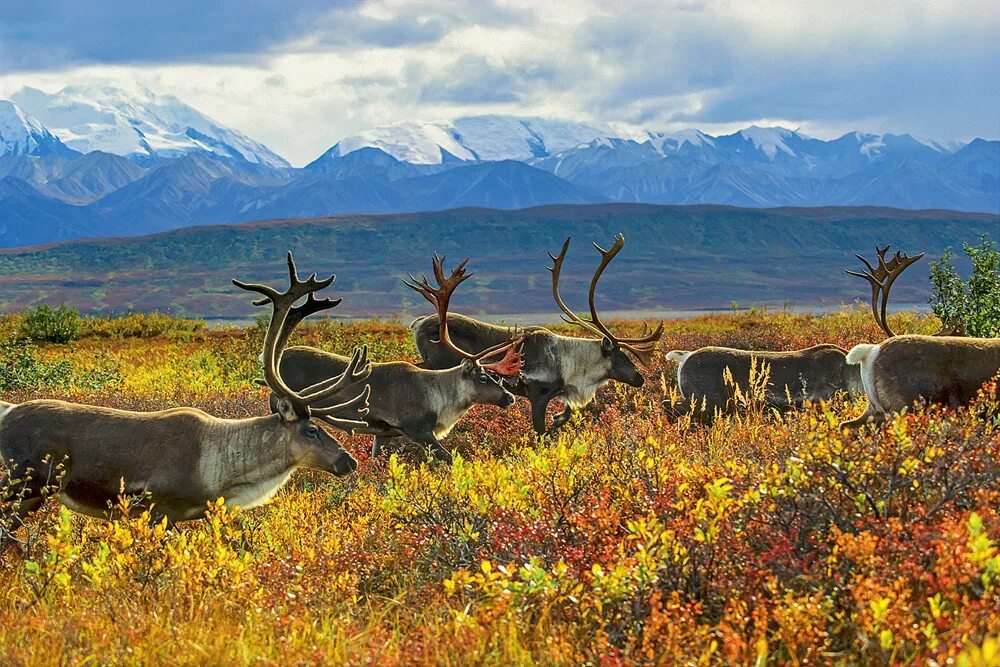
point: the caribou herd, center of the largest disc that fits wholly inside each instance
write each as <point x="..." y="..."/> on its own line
<point x="179" y="460"/>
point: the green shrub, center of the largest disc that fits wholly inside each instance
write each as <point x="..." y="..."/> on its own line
<point x="22" y="370"/>
<point x="59" y="325"/>
<point x="975" y="302"/>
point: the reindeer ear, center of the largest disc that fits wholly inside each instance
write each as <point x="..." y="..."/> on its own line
<point x="286" y="409"/>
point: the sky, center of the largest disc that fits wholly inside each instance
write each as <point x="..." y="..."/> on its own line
<point x="299" y="75"/>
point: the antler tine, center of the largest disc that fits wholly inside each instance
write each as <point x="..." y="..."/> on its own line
<point x="881" y="279"/>
<point x="357" y="369"/>
<point x="644" y="353"/>
<point x="332" y="414"/>
<point x="606" y="257"/>
<point x="653" y="337"/>
<point x="569" y="316"/>
<point x="513" y="338"/>
<point x="282" y="305"/>
<point x="440" y="297"/>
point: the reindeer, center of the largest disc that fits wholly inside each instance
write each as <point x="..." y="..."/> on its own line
<point x="815" y="373"/>
<point x="182" y="458"/>
<point x="420" y="404"/>
<point x="555" y="366"/>
<point x="941" y="368"/>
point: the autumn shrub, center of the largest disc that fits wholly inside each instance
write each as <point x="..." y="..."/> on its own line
<point x="140" y="325"/>
<point x="622" y="539"/>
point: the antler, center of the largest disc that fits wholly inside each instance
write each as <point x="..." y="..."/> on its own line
<point x="568" y="315"/>
<point x="881" y="278"/>
<point x="642" y="347"/>
<point x="440" y="297"/>
<point x="284" y="311"/>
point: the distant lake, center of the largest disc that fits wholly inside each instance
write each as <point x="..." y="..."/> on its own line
<point x="533" y="319"/>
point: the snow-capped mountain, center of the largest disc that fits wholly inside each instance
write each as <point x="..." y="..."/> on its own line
<point x="20" y="134"/>
<point x="141" y="125"/>
<point x="470" y="138"/>
<point x="149" y="163"/>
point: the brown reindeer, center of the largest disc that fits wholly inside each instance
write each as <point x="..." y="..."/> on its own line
<point x="181" y="459"/>
<point x="419" y="404"/>
<point x="555" y="366"/>
<point x="793" y="377"/>
<point x="903" y="370"/>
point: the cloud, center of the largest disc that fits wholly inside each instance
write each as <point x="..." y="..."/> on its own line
<point x="300" y="75"/>
<point x="48" y="33"/>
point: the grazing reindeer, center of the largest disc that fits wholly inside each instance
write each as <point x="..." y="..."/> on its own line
<point x="180" y="458"/>
<point x="420" y="404"/>
<point x="815" y="373"/>
<point x="554" y="365"/>
<point x="941" y="368"/>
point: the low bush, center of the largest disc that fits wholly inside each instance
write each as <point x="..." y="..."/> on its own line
<point x="976" y="302"/>
<point x="140" y="325"/>
<point x="623" y="539"/>
<point x="53" y="325"/>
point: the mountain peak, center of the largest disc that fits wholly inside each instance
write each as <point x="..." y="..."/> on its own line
<point x="473" y="138"/>
<point x="770" y="140"/>
<point x="20" y="134"/>
<point x="137" y="123"/>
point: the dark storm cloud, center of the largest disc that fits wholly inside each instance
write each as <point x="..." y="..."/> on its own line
<point x="52" y="34"/>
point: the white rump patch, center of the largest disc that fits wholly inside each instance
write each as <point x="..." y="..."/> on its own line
<point x="861" y="353"/>
<point x="866" y="355"/>
<point x="679" y="357"/>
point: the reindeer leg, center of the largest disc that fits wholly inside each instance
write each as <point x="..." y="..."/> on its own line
<point x="16" y="507"/>
<point x="562" y="418"/>
<point x="437" y="449"/>
<point x="869" y="417"/>
<point x="540" y="396"/>
<point x="382" y="442"/>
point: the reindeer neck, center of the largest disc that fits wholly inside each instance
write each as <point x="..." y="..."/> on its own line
<point x="246" y="451"/>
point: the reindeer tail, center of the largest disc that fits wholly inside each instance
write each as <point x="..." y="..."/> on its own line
<point x="678" y="356"/>
<point x="859" y="354"/>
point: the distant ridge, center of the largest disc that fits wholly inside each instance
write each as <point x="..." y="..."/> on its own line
<point x="675" y="257"/>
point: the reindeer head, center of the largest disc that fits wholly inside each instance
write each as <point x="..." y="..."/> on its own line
<point x="312" y="444"/>
<point x="483" y="379"/>
<point x="617" y="364"/>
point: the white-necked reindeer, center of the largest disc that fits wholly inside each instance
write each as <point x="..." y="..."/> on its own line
<point x="555" y="366"/>
<point x="181" y="459"/>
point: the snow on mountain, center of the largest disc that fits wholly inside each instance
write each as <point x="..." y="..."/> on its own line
<point x="20" y="134"/>
<point x="770" y="140"/>
<point x="665" y="142"/>
<point x="140" y="125"/>
<point x="486" y="138"/>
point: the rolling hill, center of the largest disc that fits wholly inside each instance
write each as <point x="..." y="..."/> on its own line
<point x="674" y="257"/>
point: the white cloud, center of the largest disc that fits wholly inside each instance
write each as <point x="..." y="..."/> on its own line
<point x="717" y="65"/>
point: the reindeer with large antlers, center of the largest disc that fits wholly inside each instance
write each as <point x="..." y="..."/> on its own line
<point x="419" y="404"/>
<point x="941" y="368"/>
<point x="555" y="366"/>
<point x="180" y="459"/>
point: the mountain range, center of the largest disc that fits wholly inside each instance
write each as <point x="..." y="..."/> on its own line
<point x="100" y="161"/>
